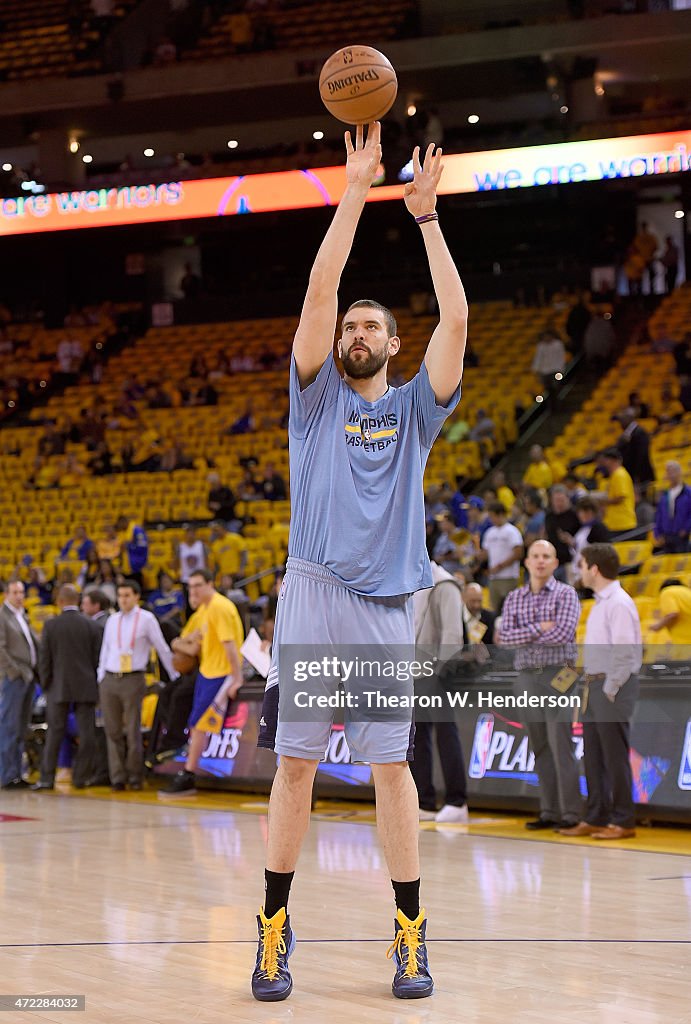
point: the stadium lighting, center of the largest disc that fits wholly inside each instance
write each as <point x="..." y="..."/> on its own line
<point x="233" y="144"/>
<point x="558" y="376"/>
<point x="599" y="89"/>
<point x="473" y="119"/>
<point x="563" y="109"/>
<point x="149" y="151"/>
<point x="318" y="136"/>
<point x="412" y="110"/>
<point x="539" y="398"/>
<point x="87" y="158"/>
<point x="7" y="167"/>
<point x="74" y="145"/>
<point x="679" y="214"/>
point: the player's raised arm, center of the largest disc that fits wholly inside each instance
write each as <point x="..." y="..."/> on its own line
<point x="444" y="356"/>
<point x="315" y="333"/>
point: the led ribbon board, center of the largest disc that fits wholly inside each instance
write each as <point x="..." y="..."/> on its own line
<point x="491" y="171"/>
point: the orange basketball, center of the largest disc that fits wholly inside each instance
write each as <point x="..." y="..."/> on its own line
<point x="358" y="84"/>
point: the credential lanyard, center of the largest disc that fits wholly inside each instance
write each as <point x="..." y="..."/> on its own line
<point x="134" y="631"/>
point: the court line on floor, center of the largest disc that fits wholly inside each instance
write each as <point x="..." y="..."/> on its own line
<point x="245" y="942"/>
<point x="666" y="878"/>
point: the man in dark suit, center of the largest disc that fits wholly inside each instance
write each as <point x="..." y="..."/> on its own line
<point x="96" y="606"/>
<point x="478" y="622"/>
<point x="67" y="663"/>
<point x="634" y="445"/>
<point x="18" y="656"/>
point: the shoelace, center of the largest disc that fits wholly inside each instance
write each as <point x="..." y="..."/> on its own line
<point x="406" y="944"/>
<point x="273" y="943"/>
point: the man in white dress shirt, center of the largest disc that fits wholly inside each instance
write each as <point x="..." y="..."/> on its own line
<point x="612" y="660"/>
<point x="128" y="638"/>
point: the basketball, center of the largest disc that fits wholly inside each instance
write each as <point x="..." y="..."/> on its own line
<point x="358" y="84"/>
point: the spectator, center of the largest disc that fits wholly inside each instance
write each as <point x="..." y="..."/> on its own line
<point x="612" y="661"/>
<point x="634" y="445"/>
<point x="134" y="548"/>
<point x="670" y="264"/>
<point x="108" y="546"/>
<point x="244" y="424"/>
<point x="128" y="638"/>
<point x="221" y="500"/>
<point x="641" y="411"/>
<point x="79" y="546"/>
<point x="484" y="429"/>
<point x="675" y="617"/>
<point x="96" y="606"/>
<point x="190" y="286"/>
<point x="478" y="621"/>
<point x="503" y="547"/>
<point x="590" y="531"/>
<point x="549" y="359"/>
<point x="458" y="506"/>
<point x="67" y="663"/>
<point x="273" y="485"/>
<point x="228" y="551"/>
<point x="444" y="552"/>
<point x="646" y="244"/>
<point x="249" y="489"/>
<point x="598" y="341"/>
<point x="166" y="52"/>
<point x="561" y="522"/>
<point x="577" y="323"/>
<point x="534" y="525"/>
<point x="539" y="621"/>
<point x="18" y="660"/>
<point x="538" y="474"/>
<point x="90" y="571"/>
<point x="620" y="497"/>
<point x="504" y="493"/>
<point x="51" y="442"/>
<point x="190" y="555"/>
<point x="673" y="514"/>
<point x="168" y="601"/>
<point x="478" y="520"/>
<point x="439" y="633"/>
<point x="38" y="586"/>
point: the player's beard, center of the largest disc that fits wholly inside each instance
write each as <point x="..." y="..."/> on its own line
<point x="363" y="369"/>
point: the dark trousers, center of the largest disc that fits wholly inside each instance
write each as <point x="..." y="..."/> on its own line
<point x="56" y="718"/>
<point x="172" y="712"/>
<point x="451" y="757"/>
<point x="16" y="698"/>
<point x="550" y="732"/>
<point x="606" y="756"/>
<point x="121" y="704"/>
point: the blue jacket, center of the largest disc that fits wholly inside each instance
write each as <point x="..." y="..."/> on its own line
<point x="667" y="525"/>
<point x="137" y="549"/>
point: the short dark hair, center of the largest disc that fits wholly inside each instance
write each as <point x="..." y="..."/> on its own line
<point x="206" y="574"/>
<point x="672" y="583"/>
<point x="130" y="585"/>
<point x="533" y="495"/>
<point x="100" y="598"/>
<point x="496" y="508"/>
<point x="612" y="453"/>
<point x="389" y="318"/>
<point x="586" y="504"/>
<point x="605" y="557"/>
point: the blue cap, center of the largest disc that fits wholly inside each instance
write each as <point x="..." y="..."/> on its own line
<point x="475" y="502"/>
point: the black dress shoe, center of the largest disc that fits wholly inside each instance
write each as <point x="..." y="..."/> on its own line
<point x="97" y="780"/>
<point x="135" y="785"/>
<point x="541" y="824"/>
<point x="16" y="784"/>
<point x="40" y="786"/>
<point x="118" y="787"/>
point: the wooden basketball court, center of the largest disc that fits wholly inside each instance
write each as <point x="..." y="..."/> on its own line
<point x="147" y="909"/>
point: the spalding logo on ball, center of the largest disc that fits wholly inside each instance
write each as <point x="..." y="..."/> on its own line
<point x="358" y="84"/>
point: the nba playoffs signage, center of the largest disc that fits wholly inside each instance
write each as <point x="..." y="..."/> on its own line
<point x="500" y="762"/>
<point x="491" y="171"/>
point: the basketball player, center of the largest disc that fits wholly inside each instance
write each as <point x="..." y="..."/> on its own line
<point x="358" y="448"/>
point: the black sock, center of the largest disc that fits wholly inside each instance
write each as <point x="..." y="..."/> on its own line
<point x="408" y="897"/>
<point x="276" y="890"/>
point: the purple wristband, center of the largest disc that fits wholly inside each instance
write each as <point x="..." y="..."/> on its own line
<point x="427" y="217"/>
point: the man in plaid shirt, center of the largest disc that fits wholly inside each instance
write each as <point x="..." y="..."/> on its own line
<point x="539" y="620"/>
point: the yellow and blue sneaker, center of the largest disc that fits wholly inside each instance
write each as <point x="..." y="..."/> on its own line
<point x="271" y="980"/>
<point x="408" y="951"/>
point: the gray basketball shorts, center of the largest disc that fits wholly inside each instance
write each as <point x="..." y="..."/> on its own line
<point x="336" y="652"/>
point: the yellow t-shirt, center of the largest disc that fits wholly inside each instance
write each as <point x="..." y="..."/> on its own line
<point x="558" y="470"/>
<point x="219" y="622"/>
<point x="191" y="624"/>
<point x="538" y="475"/>
<point x="677" y="599"/>
<point x="506" y="496"/>
<point x="226" y="553"/>
<point x="109" y="549"/>
<point x="622" y="516"/>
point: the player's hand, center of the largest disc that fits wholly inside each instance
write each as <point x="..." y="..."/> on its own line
<point x="363" y="160"/>
<point x="420" y="194"/>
